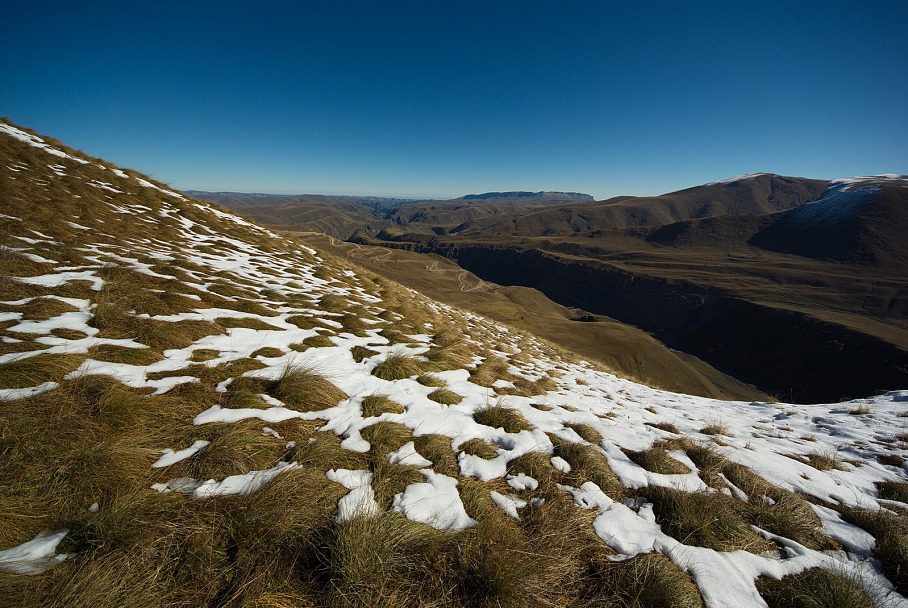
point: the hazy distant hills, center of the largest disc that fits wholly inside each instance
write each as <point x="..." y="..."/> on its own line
<point x="342" y="216"/>
<point x="753" y="194"/>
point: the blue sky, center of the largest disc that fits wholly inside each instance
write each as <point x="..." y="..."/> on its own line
<point x="441" y="99"/>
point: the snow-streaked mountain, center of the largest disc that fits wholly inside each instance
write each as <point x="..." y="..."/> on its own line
<point x="217" y="325"/>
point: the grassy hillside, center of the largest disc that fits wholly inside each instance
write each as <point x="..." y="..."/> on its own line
<point x="195" y="411"/>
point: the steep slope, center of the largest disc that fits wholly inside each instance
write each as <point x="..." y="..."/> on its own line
<point x="195" y="411"/>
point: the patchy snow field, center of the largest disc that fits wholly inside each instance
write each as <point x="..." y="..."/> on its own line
<point x="233" y="270"/>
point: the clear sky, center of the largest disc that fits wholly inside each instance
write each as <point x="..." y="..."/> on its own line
<point x="435" y="98"/>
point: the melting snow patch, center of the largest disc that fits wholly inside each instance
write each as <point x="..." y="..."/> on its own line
<point x="170" y="457"/>
<point x="407" y="455"/>
<point x="360" y="501"/>
<point x="436" y="503"/>
<point x="35" y="556"/>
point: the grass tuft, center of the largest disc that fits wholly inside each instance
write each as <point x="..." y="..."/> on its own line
<point x="498" y="416"/>
<point x="398" y="367"/>
<point x="445" y="396"/>
<point x="815" y="588"/>
<point x="302" y="388"/>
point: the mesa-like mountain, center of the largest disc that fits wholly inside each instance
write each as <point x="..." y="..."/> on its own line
<point x="196" y="410"/>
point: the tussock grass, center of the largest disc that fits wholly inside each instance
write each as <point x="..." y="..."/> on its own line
<point x="268" y="352"/>
<point x="891" y="534"/>
<point x="235" y="448"/>
<point x="398" y="367"/>
<point x="825" y="461"/>
<point x="68" y="334"/>
<point x="657" y="460"/>
<point x="498" y="416"/>
<point x="478" y="447"/>
<point x="201" y="355"/>
<point x="386" y="437"/>
<point x="769" y="507"/>
<point x="815" y="588"/>
<point x="431" y="380"/>
<point x="383" y="561"/>
<point x="120" y="354"/>
<point x="38" y="369"/>
<point x="376" y="405"/>
<point x="361" y="352"/>
<point x="437" y="448"/>
<point x="245" y="323"/>
<point x="44" y="308"/>
<point x="394" y="336"/>
<point x="448" y="355"/>
<point x="325" y="453"/>
<point x="646" y="581"/>
<point x="893" y="490"/>
<point x="353" y="324"/>
<point x="445" y="396"/>
<point x="492" y="368"/>
<point x="663" y="426"/>
<point x="587" y="432"/>
<point x="715" y="429"/>
<point x="589" y="464"/>
<point x="390" y="479"/>
<point x="304" y="389"/>
<point x="892" y="460"/>
<point x="306" y="322"/>
<point x="704" y="519"/>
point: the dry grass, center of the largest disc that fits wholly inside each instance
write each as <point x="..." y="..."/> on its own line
<point x="437" y="448"/>
<point x="38" y="369"/>
<point x="663" y="426"/>
<point x="646" y="581"/>
<point x="304" y="389"/>
<point x="815" y="588"/>
<point x="825" y="461"/>
<point x="657" y="460"/>
<point x="589" y="464"/>
<point x="431" y="380"/>
<point x="891" y="548"/>
<point x="478" y="447"/>
<point x="398" y="367"/>
<point x="704" y="519"/>
<point x="361" y="352"/>
<point x="445" y="396"/>
<point x="498" y="416"/>
<point x="120" y="354"/>
<point x="376" y="405"/>
<point x="587" y="432"/>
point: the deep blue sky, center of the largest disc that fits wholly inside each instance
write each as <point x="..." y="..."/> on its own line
<point x="440" y="99"/>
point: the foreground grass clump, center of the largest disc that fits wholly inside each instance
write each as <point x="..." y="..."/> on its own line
<point x="815" y="588"/>
<point x="445" y="396"/>
<point x="891" y="534"/>
<point x="646" y="581"/>
<point x="36" y="370"/>
<point x="658" y="460"/>
<point x="768" y="506"/>
<point x="499" y="416"/>
<point x="303" y="388"/>
<point x="589" y="464"/>
<point x="376" y="405"/>
<point x="398" y="367"/>
<point x="704" y="519"/>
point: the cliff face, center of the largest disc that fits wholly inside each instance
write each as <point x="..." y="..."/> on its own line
<point x="787" y="352"/>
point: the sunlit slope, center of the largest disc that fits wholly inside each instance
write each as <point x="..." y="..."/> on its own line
<point x="198" y="412"/>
